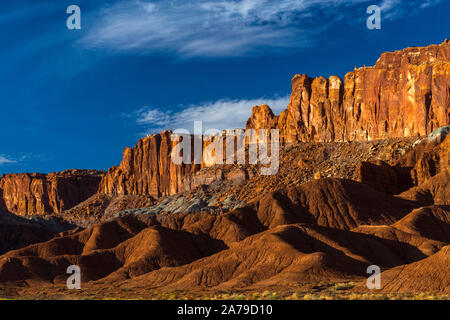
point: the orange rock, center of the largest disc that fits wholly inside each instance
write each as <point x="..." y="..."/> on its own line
<point x="39" y="194"/>
<point x="148" y="169"/>
<point x="301" y="163"/>
<point x="404" y="94"/>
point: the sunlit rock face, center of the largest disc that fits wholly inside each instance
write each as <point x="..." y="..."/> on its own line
<point x="406" y="93"/>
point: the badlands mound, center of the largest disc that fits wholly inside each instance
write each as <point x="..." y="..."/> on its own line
<point x="285" y="255"/>
<point x="324" y="230"/>
<point x="17" y="232"/>
<point x="427" y="275"/>
<point x="126" y="246"/>
<point x="335" y="203"/>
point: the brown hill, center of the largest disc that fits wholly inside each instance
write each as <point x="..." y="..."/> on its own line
<point x="17" y="232"/>
<point x="429" y="222"/>
<point x="126" y="246"/>
<point x="426" y="228"/>
<point x="283" y="256"/>
<point x="427" y="275"/>
<point x="435" y="190"/>
<point x="336" y="203"/>
<point x="139" y="244"/>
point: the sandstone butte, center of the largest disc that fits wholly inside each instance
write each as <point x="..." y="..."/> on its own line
<point x="406" y="93"/>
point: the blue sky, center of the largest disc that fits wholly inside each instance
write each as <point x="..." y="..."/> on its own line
<point x="76" y="98"/>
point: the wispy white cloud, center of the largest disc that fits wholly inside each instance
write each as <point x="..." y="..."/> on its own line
<point x="429" y="3"/>
<point x="395" y="9"/>
<point x="391" y="9"/>
<point x="221" y="114"/>
<point x="208" y="28"/>
<point x="6" y="160"/>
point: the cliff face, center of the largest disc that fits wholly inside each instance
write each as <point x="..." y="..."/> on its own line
<point x="148" y="169"/>
<point x="39" y="194"/>
<point x="406" y="93"/>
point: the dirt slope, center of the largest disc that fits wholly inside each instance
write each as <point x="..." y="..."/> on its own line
<point x="427" y="275"/>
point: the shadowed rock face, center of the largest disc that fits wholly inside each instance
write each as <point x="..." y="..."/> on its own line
<point x="383" y="177"/>
<point x="17" y="232"/>
<point x="430" y="159"/>
<point x="39" y="194"/>
<point x="404" y="94"/>
<point x="425" y="166"/>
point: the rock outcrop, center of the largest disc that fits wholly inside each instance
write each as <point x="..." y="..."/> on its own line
<point x="428" y="158"/>
<point x="405" y="94"/>
<point x="148" y="169"/>
<point x="39" y="194"/>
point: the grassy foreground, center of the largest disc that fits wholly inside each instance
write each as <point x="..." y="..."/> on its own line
<point x="322" y="291"/>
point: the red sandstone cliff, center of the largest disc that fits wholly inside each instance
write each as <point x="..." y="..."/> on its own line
<point x="406" y="93"/>
<point x="148" y="169"/>
<point x="39" y="194"/>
